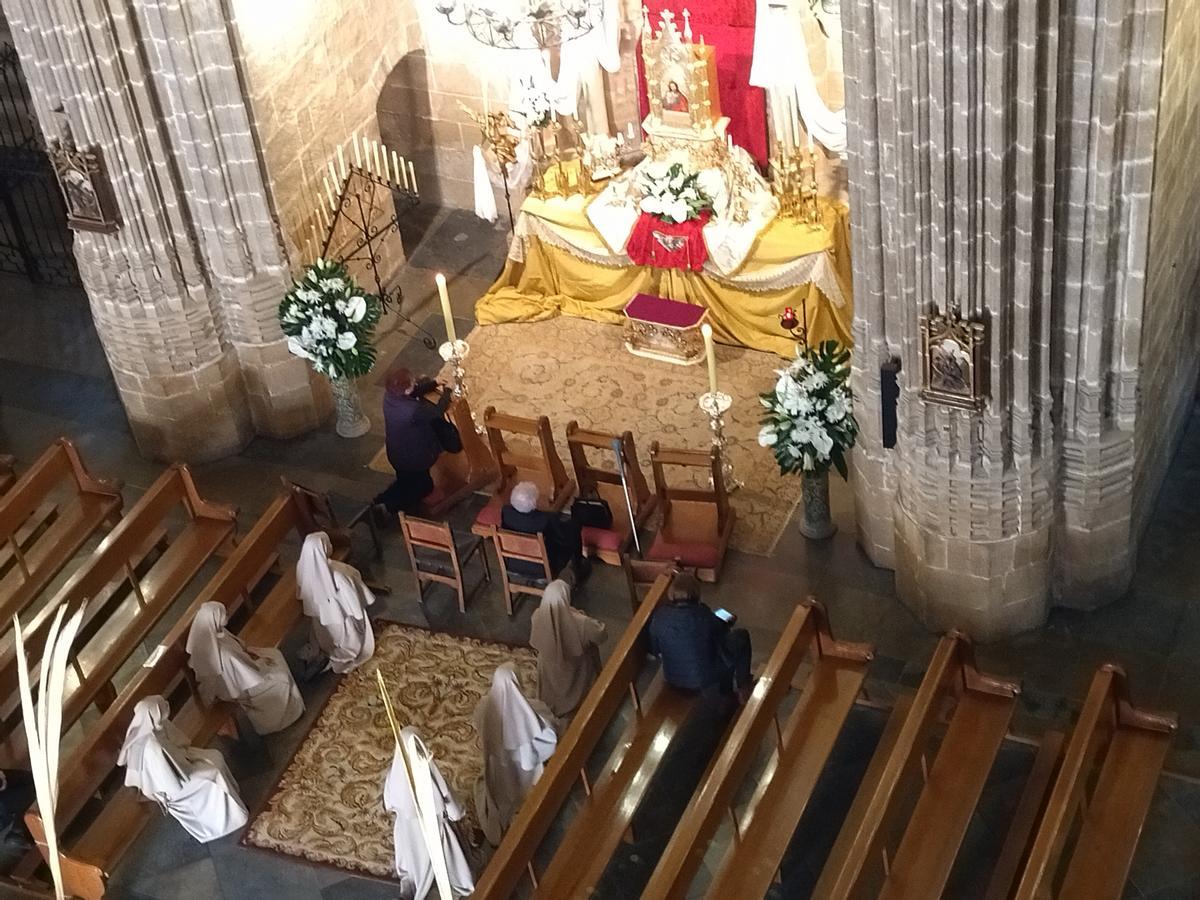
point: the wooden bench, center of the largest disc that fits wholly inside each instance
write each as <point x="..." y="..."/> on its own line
<point x="889" y="845"/>
<point x="610" y="544"/>
<point x="46" y="516"/>
<point x="762" y="833"/>
<point x="513" y="860"/>
<point x="8" y="474"/>
<point x="532" y="458"/>
<point x="458" y="475"/>
<point x="1101" y="797"/>
<point x="697" y="522"/>
<point x="139" y="558"/>
<point x="93" y="845"/>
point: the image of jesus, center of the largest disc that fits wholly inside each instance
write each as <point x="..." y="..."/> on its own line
<point x="673" y="98"/>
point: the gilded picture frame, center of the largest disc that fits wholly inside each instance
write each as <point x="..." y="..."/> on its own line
<point x="952" y="361"/>
<point x="85" y="188"/>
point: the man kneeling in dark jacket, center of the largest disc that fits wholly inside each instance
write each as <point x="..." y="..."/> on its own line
<point x="699" y="651"/>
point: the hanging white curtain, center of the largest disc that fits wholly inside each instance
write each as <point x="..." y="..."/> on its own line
<point x="485" y="199"/>
<point x="780" y="63"/>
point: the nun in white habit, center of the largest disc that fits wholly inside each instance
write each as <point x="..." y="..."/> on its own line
<point x="257" y="679"/>
<point x="193" y="785"/>
<point x="568" y="655"/>
<point x="334" y="596"/>
<point x="428" y="851"/>
<point x="517" y="740"/>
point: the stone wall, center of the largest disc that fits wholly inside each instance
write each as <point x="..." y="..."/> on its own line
<point x="1170" y="340"/>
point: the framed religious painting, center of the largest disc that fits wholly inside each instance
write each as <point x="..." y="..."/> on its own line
<point x="85" y="188"/>
<point x="952" y="351"/>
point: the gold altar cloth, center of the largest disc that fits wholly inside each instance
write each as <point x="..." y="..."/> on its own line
<point x="567" y="269"/>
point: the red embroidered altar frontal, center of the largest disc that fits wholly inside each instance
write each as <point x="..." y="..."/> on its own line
<point x="668" y="245"/>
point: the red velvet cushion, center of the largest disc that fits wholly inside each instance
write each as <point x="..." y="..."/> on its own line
<point x="433" y="498"/>
<point x="489" y="515"/>
<point x="700" y="556"/>
<point x="601" y="538"/>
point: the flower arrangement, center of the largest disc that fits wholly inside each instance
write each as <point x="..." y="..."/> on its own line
<point x="809" y="420"/>
<point x="673" y="194"/>
<point x="331" y="321"/>
<point x="533" y="105"/>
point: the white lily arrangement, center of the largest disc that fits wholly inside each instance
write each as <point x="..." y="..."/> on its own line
<point x="533" y="105"/>
<point x="809" y="420"/>
<point x="672" y="193"/>
<point x="330" y="321"/>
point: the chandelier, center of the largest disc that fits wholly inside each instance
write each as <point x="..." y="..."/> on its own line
<point x="523" y="24"/>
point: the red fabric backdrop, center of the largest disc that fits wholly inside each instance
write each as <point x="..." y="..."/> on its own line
<point x="727" y="25"/>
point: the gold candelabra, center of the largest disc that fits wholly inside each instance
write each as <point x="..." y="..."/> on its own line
<point x="794" y="183"/>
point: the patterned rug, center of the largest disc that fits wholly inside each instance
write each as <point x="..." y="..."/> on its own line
<point x="569" y="368"/>
<point x="328" y="805"/>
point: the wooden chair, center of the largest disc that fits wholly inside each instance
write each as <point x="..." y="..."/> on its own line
<point x="801" y="748"/>
<point x="696" y="522"/>
<point x="659" y="714"/>
<point x="1100" y="797"/>
<point x="458" y="475"/>
<point x="908" y="819"/>
<point x="530" y="548"/>
<point x="640" y="574"/>
<point x="138" y="570"/>
<point x="46" y="517"/>
<point x="90" y="846"/>
<point x="609" y="544"/>
<point x="437" y="538"/>
<point x="535" y="460"/>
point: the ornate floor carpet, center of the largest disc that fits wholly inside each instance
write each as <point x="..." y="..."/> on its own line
<point x="568" y="368"/>
<point x="328" y="804"/>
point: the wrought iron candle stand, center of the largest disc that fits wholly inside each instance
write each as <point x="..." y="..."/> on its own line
<point x="715" y="404"/>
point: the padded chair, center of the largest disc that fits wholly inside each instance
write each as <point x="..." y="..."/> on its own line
<point x="436" y="556"/>
<point x="513" y="545"/>
<point x="696" y="522"/>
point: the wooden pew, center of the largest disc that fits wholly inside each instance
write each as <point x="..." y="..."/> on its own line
<point x="762" y="834"/>
<point x="458" y="475"/>
<point x="93" y="845"/>
<point x="533" y="459"/>
<point x="46" y="516"/>
<point x="907" y="821"/>
<point x="131" y="561"/>
<point x="697" y="522"/>
<point x="8" y="474"/>
<point x="513" y="860"/>
<point x="1101" y="796"/>
<point x="609" y="544"/>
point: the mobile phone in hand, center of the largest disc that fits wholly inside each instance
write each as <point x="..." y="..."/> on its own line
<point x="725" y="616"/>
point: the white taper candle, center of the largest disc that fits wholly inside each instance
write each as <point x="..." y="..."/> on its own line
<point x="706" y="330"/>
<point x="444" y="296"/>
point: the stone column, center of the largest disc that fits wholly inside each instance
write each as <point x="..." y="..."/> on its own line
<point x="967" y="167"/>
<point x="183" y="294"/>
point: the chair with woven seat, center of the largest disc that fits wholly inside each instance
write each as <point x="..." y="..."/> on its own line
<point x="514" y="546"/>
<point x="696" y="521"/>
<point x="437" y="556"/>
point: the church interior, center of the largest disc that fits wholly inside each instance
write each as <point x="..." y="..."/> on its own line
<point x="577" y="449"/>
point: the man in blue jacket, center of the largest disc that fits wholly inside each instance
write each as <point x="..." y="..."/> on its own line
<point x="416" y="434"/>
<point x="698" y="649"/>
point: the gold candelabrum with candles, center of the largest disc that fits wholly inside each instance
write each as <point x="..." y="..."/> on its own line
<point x="357" y="210"/>
<point x="794" y="183"/>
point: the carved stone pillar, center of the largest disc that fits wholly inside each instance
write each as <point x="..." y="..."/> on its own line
<point x="975" y="164"/>
<point x="184" y="293"/>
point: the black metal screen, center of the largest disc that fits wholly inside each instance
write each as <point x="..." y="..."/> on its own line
<point x="34" y="238"/>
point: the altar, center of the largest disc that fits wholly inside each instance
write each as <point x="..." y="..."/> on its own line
<point x="558" y="264"/>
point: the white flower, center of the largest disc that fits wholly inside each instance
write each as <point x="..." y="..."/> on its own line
<point x="346" y="340"/>
<point x="768" y="437"/>
<point x="331" y="285"/>
<point x="815" y="381"/>
<point x="838" y="406"/>
<point x="340" y="305"/>
<point x="356" y="309"/>
<point x="296" y="348"/>
<point x="651" y="205"/>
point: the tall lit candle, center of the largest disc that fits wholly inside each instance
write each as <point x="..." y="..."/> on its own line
<point x="357" y="152"/>
<point x="341" y="162"/>
<point x="706" y="330"/>
<point x="412" y="177"/>
<point x="444" y="296"/>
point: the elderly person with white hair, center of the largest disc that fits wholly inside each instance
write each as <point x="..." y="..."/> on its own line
<point x="192" y="785"/>
<point x="334" y="596"/>
<point x="564" y="538"/>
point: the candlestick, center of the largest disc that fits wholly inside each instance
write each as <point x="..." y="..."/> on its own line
<point x="630" y="131"/>
<point x="329" y="193"/>
<point x="333" y="178"/>
<point x="412" y="176"/>
<point x="706" y="330"/>
<point x="714" y="404"/>
<point x="357" y="153"/>
<point x="444" y="296"/>
<point x="403" y="173"/>
<point x="395" y="169"/>
<point x="341" y="162"/>
<point x="379" y="170"/>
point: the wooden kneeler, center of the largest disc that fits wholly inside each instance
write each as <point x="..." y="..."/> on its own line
<point x="537" y="461"/>
<point x="609" y="544"/>
<point x="696" y="522"/>
<point x="458" y="475"/>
